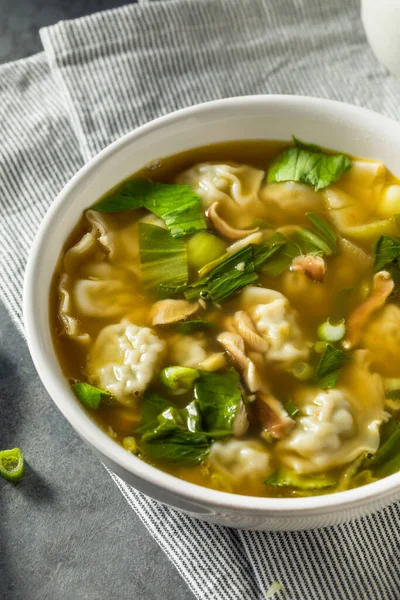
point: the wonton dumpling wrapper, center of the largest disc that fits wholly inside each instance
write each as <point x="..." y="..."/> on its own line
<point x="276" y="322"/>
<point x="382" y="339"/>
<point x="99" y="279"/>
<point x="187" y="350"/>
<point x="354" y="219"/>
<point x="338" y="424"/>
<point x="235" y="187"/>
<point x="124" y="359"/>
<point x="290" y="201"/>
<point x="240" y="461"/>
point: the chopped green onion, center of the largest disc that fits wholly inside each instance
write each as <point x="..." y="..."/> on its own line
<point x="202" y="248"/>
<point x="273" y="589"/>
<point x="90" y="396"/>
<point x="129" y="444"/>
<point x="301" y="371"/>
<point x="12" y="464"/>
<point x="178" y="379"/>
<point x="332" y="333"/>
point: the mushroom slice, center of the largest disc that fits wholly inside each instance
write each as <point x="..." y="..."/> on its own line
<point x="382" y="288"/>
<point x="245" y="328"/>
<point x="222" y="226"/>
<point x="165" y="312"/>
<point x="274" y="419"/>
<point x="234" y="345"/>
<point x="241" y="423"/>
<point x="312" y="266"/>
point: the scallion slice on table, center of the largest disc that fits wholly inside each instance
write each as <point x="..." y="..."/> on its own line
<point x="12" y="464"/>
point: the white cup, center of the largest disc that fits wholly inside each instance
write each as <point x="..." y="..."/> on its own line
<point x="381" y="20"/>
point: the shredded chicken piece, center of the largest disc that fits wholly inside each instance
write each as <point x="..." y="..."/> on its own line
<point x="245" y="328"/>
<point x="274" y="419"/>
<point x="165" y="312"/>
<point x="312" y="266"/>
<point x="222" y="226"/>
<point x="382" y="288"/>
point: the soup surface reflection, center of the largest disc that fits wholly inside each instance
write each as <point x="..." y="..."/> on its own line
<point x="231" y="315"/>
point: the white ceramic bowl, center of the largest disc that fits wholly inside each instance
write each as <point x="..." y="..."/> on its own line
<point x="330" y="124"/>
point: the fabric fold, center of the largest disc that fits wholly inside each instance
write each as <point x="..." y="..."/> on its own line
<point x="101" y="76"/>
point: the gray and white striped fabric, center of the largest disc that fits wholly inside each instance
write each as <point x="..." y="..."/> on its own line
<point x="99" y="77"/>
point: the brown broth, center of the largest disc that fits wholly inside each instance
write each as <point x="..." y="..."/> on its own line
<point x="314" y="303"/>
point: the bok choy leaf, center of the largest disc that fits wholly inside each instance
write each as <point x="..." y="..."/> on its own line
<point x="230" y="274"/>
<point x="162" y="260"/>
<point x="177" y="205"/>
<point x="219" y="397"/>
<point x="170" y="434"/>
<point x="330" y="366"/>
<point x="305" y="163"/>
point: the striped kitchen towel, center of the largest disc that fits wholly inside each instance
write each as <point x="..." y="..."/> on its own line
<point x="99" y="77"/>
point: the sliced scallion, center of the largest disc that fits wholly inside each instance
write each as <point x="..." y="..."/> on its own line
<point x="178" y="379"/>
<point x="332" y="333"/>
<point x="12" y="464"/>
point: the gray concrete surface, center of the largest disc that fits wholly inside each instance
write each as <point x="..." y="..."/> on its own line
<point x="66" y="533"/>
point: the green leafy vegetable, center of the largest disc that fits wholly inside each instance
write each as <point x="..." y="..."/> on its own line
<point x="387" y="254"/>
<point x="169" y="433"/>
<point x="219" y="397"/>
<point x="173" y="419"/>
<point x="162" y="260"/>
<point x="152" y="405"/>
<point x="263" y="252"/>
<point x="285" y="478"/>
<point x="12" y="465"/>
<point x="281" y="261"/>
<point x="180" y="448"/>
<point x="90" y="396"/>
<point x="329" y="367"/>
<point x="178" y="379"/>
<point x="291" y="408"/>
<point x="187" y="327"/>
<point x="307" y="164"/>
<point x="230" y="275"/>
<point x="324" y="231"/>
<point x="177" y="205"/>
<point x="387" y="459"/>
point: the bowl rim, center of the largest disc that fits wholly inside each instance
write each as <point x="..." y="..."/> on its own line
<point x="90" y="431"/>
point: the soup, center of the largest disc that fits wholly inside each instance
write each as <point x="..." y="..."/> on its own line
<point x="230" y="315"/>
